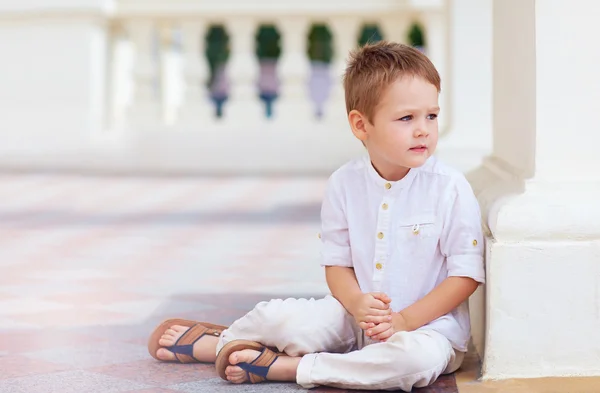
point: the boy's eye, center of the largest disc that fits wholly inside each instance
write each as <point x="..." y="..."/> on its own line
<point x="432" y="116"/>
<point x="406" y="118"/>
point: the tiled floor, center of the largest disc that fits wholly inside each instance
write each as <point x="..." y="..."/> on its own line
<point x="88" y="266"/>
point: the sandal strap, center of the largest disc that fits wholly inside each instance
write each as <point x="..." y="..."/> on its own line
<point x="258" y="369"/>
<point x="184" y="346"/>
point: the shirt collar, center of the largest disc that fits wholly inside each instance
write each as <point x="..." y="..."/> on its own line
<point x="387" y="185"/>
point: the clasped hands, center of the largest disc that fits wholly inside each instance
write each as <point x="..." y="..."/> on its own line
<point x="374" y="315"/>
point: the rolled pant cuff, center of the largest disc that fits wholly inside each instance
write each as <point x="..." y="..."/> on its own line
<point x="304" y="370"/>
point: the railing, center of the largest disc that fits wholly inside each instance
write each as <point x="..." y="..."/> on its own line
<point x="194" y="86"/>
<point x="194" y="66"/>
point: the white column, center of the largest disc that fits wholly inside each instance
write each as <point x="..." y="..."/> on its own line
<point x="540" y="191"/>
<point x="345" y="30"/>
<point x="197" y="111"/>
<point x="243" y="105"/>
<point x="294" y="67"/>
<point x="435" y="22"/>
<point x="53" y="76"/>
<point x="146" y="108"/>
<point x="467" y="83"/>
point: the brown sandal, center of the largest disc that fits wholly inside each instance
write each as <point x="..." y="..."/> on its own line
<point x="256" y="370"/>
<point x="183" y="347"/>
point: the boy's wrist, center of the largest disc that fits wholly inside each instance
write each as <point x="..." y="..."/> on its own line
<point x="400" y="322"/>
<point x="352" y="300"/>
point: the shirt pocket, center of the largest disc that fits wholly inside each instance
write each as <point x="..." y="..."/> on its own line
<point x="417" y="235"/>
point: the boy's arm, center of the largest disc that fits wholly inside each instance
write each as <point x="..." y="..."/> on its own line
<point x="443" y="299"/>
<point x="335" y="247"/>
<point x="343" y="285"/>
<point x="461" y="242"/>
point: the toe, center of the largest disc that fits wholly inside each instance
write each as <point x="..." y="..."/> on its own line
<point x="237" y="378"/>
<point x="163" y="354"/>
<point x="243" y="356"/>
<point x="235" y="374"/>
<point x="233" y="371"/>
<point x="170" y="332"/>
<point x="179" y="329"/>
<point x="166" y="341"/>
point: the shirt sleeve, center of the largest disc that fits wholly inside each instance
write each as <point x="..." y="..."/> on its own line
<point x="335" y="242"/>
<point x="461" y="240"/>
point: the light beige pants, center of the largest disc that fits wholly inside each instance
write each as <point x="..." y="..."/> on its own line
<point x="336" y="353"/>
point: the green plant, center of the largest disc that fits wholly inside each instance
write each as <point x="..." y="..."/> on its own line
<point x="370" y="33"/>
<point x="217" y="48"/>
<point x="416" y="35"/>
<point x="320" y="44"/>
<point x="268" y="43"/>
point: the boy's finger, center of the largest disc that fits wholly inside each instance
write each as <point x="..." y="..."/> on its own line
<point x="366" y="325"/>
<point x="384" y="336"/>
<point x="382" y="327"/>
<point x="378" y="313"/>
<point x="382" y="296"/>
<point x="378" y="319"/>
<point x="378" y="304"/>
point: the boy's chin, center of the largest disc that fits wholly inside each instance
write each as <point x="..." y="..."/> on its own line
<point x="415" y="162"/>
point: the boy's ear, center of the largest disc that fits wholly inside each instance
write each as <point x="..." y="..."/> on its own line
<point x="358" y="124"/>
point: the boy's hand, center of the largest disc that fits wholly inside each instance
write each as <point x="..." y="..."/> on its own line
<point x="385" y="330"/>
<point x="371" y="309"/>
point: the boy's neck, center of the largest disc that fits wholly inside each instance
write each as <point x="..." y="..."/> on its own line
<point x="392" y="173"/>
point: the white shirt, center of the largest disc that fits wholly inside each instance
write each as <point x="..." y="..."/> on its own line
<point x="404" y="238"/>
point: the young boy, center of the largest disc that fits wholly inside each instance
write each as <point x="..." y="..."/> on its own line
<point x="401" y="246"/>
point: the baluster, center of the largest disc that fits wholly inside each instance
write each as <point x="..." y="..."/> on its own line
<point x="146" y="109"/>
<point x="196" y="111"/>
<point x="294" y="69"/>
<point x="345" y="38"/>
<point x="243" y="105"/>
<point x="394" y="28"/>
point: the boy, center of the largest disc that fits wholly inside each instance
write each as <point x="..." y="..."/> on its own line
<point x="401" y="245"/>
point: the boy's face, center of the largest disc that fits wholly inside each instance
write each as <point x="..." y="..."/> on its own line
<point x="404" y="131"/>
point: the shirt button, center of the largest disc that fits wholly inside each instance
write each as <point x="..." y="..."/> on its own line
<point x="474" y="242"/>
<point x="380" y="235"/>
<point x="384" y="206"/>
<point x="378" y="266"/>
<point x="388" y="185"/>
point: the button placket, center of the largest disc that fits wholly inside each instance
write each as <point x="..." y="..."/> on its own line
<point x="382" y="236"/>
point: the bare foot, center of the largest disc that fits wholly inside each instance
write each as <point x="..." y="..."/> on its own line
<point x="204" y="349"/>
<point x="283" y="369"/>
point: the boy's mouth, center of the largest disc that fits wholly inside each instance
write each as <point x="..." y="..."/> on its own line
<point x="419" y="148"/>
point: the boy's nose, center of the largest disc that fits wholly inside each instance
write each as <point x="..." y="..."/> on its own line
<point x="421" y="131"/>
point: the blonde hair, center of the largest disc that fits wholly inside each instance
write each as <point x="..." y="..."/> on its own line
<point x="374" y="67"/>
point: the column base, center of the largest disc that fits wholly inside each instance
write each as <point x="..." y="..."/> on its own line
<point x="542" y="297"/>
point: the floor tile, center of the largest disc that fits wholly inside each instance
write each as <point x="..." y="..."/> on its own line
<point x="101" y="354"/>
<point x="20" y="366"/>
<point x="158" y="373"/>
<point x="69" y="382"/>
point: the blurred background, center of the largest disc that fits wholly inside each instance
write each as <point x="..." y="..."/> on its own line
<point x="168" y="158"/>
<point x="221" y="87"/>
